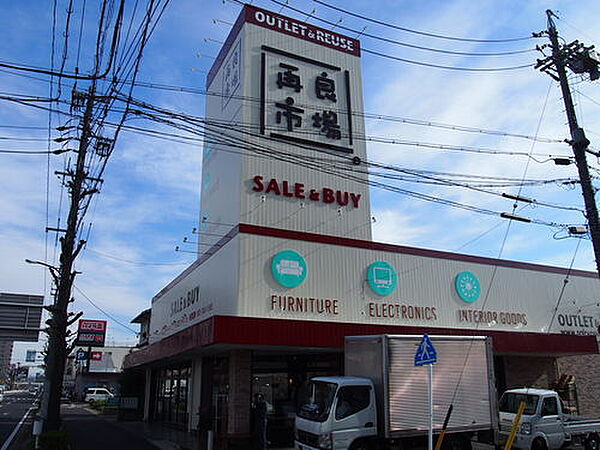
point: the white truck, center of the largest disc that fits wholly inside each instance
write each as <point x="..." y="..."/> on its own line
<point x="544" y="425"/>
<point x="382" y="402"/>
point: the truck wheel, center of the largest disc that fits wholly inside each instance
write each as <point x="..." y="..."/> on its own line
<point x="539" y="444"/>
<point x="592" y="442"/>
<point x="362" y="445"/>
<point x="456" y="443"/>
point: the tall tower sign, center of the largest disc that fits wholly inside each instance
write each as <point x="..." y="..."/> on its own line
<point x="286" y="144"/>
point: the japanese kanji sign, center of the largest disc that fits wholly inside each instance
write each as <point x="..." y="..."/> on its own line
<point x="305" y="101"/>
<point x="231" y="75"/>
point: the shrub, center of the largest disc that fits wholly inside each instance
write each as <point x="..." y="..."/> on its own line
<point x="98" y="404"/>
<point x="54" y="440"/>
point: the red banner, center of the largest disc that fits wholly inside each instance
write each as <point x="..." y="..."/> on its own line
<point x="91" y="332"/>
<point x="302" y="30"/>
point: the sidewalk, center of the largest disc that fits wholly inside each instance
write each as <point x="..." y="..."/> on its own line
<point x="89" y="430"/>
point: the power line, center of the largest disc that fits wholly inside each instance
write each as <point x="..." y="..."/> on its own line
<point x="73" y="76"/>
<point x="366" y="115"/>
<point x="110" y="316"/>
<point x="402" y="142"/>
<point x="421" y="33"/>
<point x="137" y="263"/>
<point x="232" y="144"/>
<point x="34" y="152"/>
<point x="405" y="44"/>
<point x="564" y="286"/>
<point x="310" y="163"/>
<point x="405" y="60"/>
<point x="441" y="66"/>
<point x="20" y="127"/>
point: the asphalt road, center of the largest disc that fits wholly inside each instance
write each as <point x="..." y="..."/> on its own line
<point x="13" y="408"/>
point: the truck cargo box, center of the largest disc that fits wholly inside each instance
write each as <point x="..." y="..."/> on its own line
<point x="463" y="376"/>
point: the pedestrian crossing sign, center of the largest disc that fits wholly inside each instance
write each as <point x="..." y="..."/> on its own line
<point x="426" y="353"/>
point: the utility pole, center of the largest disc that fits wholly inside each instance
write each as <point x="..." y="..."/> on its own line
<point x="579" y="59"/>
<point x="65" y="275"/>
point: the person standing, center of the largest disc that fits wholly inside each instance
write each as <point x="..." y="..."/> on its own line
<point x="204" y="426"/>
<point x="259" y="409"/>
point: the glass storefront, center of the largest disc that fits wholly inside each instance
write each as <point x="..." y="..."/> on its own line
<point x="172" y="386"/>
<point x="279" y="378"/>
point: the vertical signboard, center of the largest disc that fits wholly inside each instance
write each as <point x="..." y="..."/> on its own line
<point x="91" y="332"/>
<point x="290" y="96"/>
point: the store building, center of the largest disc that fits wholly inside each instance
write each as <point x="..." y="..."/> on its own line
<point x="287" y="266"/>
<point x="102" y="367"/>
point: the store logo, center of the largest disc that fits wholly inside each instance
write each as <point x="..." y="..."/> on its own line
<point x="382" y="278"/>
<point x="289" y="268"/>
<point x="467" y="287"/>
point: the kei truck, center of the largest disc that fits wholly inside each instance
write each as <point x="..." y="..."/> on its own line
<point x="382" y="402"/>
<point x="544" y="424"/>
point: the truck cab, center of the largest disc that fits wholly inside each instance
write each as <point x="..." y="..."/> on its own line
<point x="336" y="413"/>
<point x="542" y="424"/>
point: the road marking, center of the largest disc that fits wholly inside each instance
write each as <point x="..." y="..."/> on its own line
<point x="15" y="431"/>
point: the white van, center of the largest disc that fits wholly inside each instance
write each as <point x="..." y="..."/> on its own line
<point x="95" y="394"/>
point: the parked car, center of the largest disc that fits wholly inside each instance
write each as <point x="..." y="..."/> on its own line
<point x="95" y="394"/>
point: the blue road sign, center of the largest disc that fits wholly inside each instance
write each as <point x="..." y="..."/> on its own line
<point x="81" y="355"/>
<point x="426" y="353"/>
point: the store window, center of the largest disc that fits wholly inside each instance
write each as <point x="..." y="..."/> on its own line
<point x="172" y="387"/>
<point x="279" y="378"/>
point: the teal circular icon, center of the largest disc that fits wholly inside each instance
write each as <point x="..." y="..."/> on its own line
<point x="467" y="287"/>
<point x="289" y="268"/>
<point x="382" y="278"/>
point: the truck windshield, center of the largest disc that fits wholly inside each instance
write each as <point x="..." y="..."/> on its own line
<point x="510" y="402"/>
<point x="315" y="400"/>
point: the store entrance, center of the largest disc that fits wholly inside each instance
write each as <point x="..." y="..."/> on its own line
<point x="279" y="378"/>
<point x="172" y="385"/>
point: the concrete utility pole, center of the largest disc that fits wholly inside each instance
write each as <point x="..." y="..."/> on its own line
<point x="65" y="275"/>
<point x="579" y="59"/>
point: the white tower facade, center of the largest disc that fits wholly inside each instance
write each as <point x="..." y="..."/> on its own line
<point x="285" y="145"/>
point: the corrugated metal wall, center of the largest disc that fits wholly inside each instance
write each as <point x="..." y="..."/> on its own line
<point x="460" y="377"/>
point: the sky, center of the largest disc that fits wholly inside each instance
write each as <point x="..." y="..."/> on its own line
<point x="150" y="198"/>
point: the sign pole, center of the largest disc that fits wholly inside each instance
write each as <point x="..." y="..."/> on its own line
<point x="89" y="357"/>
<point x="430" y="392"/>
<point x="427" y="356"/>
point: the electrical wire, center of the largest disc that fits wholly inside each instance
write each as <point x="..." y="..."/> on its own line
<point x="372" y="183"/>
<point x="405" y="60"/>
<point x="136" y="263"/>
<point x="405" y="44"/>
<point x="49" y="135"/>
<point x="441" y="66"/>
<point x="420" y="33"/>
<point x="103" y="311"/>
<point x="365" y="115"/>
<point x="564" y="286"/>
<point x="428" y="197"/>
<point x="32" y="152"/>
